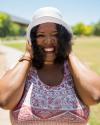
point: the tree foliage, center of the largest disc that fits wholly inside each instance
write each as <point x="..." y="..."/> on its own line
<point x="97" y="29"/>
<point x="82" y="29"/>
<point x="5" y="23"/>
<point x="88" y="30"/>
<point x="78" y="29"/>
<point x="8" y="28"/>
<point x="14" y="29"/>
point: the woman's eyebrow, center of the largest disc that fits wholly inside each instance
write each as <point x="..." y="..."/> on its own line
<point x="40" y="32"/>
<point x="53" y="32"/>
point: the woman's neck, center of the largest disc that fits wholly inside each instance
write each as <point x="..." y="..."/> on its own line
<point x="52" y="67"/>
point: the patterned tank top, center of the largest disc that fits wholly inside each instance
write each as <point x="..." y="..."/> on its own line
<point x="42" y="104"/>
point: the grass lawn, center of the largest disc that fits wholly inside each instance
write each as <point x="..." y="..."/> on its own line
<point x="88" y="51"/>
<point x="20" y="45"/>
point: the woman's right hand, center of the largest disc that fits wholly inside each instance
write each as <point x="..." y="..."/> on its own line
<point x="29" y="51"/>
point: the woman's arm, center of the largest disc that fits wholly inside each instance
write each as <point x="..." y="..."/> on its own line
<point x="13" y="82"/>
<point x="12" y="85"/>
<point x="87" y="82"/>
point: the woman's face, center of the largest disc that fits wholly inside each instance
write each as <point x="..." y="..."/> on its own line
<point x="46" y="37"/>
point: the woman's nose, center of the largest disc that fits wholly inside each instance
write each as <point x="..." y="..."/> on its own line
<point x="48" y="40"/>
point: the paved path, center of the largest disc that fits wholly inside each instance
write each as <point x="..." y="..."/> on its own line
<point x="8" y="58"/>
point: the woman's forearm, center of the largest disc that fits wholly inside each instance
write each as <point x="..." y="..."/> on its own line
<point x="87" y="82"/>
<point x="12" y="84"/>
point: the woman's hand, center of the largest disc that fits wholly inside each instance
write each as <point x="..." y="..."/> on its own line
<point x="29" y="51"/>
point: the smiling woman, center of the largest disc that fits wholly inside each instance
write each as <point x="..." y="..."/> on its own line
<point x="49" y="85"/>
<point x="50" y="41"/>
<point x="47" y="39"/>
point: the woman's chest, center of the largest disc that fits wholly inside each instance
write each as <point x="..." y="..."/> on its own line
<point x="43" y="103"/>
<point x="61" y="97"/>
<point x="51" y="77"/>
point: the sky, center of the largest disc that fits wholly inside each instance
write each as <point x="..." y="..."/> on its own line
<point x="73" y="11"/>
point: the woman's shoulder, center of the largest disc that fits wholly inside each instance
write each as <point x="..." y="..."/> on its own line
<point x="66" y="65"/>
<point x="67" y="68"/>
<point x="32" y="69"/>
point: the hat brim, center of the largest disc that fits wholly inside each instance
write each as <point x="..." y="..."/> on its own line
<point x="46" y="19"/>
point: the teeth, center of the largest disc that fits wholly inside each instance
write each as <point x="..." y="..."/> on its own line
<point x="49" y="49"/>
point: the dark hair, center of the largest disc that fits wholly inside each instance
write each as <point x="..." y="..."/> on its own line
<point x="64" y="47"/>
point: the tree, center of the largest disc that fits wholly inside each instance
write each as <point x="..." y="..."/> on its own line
<point x="88" y="30"/>
<point x="82" y="29"/>
<point x="97" y="29"/>
<point x="5" y="23"/>
<point x="78" y="29"/>
<point x="14" y="29"/>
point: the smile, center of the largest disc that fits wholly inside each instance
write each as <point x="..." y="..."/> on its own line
<point x="51" y="49"/>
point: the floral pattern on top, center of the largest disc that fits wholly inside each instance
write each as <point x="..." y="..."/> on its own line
<point x="41" y="102"/>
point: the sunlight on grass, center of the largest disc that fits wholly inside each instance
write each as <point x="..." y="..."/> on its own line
<point x="88" y="50"/>
<point x="95" y="115"/>
<point x="18" y="45"/>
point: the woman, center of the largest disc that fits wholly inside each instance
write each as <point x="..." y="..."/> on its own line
<point x="49" y="85"/>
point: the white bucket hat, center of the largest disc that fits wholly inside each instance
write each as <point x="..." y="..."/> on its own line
<point x="44" y="15"/>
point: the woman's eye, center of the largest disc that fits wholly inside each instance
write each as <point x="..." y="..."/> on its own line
<point x="40" y="35"/>
<point x="55" y="35"/>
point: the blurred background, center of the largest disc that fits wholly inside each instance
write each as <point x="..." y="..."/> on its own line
<point x="82" y="16"/>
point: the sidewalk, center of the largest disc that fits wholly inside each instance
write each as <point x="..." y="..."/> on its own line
<point x="8" y="58"/>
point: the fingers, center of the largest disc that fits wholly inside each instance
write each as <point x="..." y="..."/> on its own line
<point x="29" y="50"/>
<point x="29" y="43"/>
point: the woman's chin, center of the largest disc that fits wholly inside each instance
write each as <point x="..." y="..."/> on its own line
<point x="49" y="61"/>
<point x="49" y="58"/>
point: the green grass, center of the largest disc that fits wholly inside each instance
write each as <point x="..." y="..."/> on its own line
<point x="88" y="50"/>
<point x="95" y="115"/>
<point x="17" y="45"/>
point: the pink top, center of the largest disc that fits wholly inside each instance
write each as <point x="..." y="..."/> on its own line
<point x="42" y="104"/>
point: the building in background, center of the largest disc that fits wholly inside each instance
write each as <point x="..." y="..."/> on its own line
<point x="11" y="25"/>
<point x="20" y="21"/>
